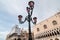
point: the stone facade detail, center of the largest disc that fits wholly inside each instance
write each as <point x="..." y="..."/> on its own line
<point x="18" y="34"/>
<point x="48" y="29"/>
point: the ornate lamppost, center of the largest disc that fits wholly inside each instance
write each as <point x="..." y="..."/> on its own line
<point x="28" y="17"/>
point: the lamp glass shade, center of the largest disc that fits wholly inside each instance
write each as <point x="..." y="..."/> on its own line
<point x="20" y="17"/>
<point x="35" y="19"/>
<point x="28" y="9"/>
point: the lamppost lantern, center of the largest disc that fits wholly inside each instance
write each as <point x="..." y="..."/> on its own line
<point x="28" y="9"/>
<point x="31" y="4"/>
<point x="20" y="17"/>
<point x="35" y="20"/>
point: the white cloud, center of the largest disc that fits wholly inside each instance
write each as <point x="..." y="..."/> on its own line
<point x="3" y="34"/>
<point x="14" y="7"/>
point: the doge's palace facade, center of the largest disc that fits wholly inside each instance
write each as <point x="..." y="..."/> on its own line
<point x="48" y="29"/>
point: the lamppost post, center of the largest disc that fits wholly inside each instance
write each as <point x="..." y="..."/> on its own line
<point x="29" y="18"/>
<point x="30" y="36"/>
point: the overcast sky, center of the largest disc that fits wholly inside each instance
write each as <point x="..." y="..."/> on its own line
<point x="10" y="9"/>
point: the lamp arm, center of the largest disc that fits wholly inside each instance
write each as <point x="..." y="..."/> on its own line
<point x="33" y="22"/>
<point x="21" y="22"/>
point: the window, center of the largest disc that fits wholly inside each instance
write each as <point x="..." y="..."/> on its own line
<point x="52" y="34"/>
<point x="24" y="39"/>
<point x="55" y="33"/>
<point x="54" y="22"/>
<point x="48" y="35"/>
<point x="58" y="32"/>
<point x="37" y="29"/>
<point x="45" y="26"/>
<point x="51" y="39"/>
<point x="15" y="39"/>
<point x="18" y="39"/>
<point x="56" y="39"/>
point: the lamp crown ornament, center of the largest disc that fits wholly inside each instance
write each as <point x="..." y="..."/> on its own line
<point x="31" y="4"/>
